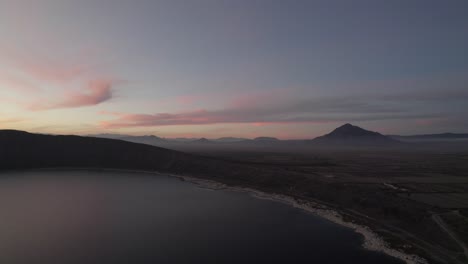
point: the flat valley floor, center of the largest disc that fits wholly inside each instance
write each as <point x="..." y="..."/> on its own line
<point x="416" y="199"/>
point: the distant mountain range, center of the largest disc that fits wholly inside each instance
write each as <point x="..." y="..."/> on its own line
<point x="432" y="137"/>
<point x="230" y="139"/>
<point x="155" y="140"/>
<point x="345" y="135"/>
<point x="13" y="143"/>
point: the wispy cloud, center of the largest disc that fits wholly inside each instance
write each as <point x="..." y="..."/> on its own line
<point x="61" y="85"/>
<point x="256" y="112"/>
<point x="95" y="92"/>
<point x="203" y="117"/>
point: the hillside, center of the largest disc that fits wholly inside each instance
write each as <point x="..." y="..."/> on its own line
<point x="23" y="150"/>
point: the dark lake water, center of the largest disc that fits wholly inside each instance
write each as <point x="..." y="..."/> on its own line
<point x="117" y="217"/>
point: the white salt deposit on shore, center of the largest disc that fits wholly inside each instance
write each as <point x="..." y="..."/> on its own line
<point x="372" y="241"/>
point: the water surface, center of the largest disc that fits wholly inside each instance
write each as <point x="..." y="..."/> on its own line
<point x="122" y="217"/>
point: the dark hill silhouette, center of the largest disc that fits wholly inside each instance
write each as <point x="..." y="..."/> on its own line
<point x="353" y="135"/>
<point x="150" y="140"/>
<point x="202" y="141"/>
<point x="20" y="149"/>
<point x="266" y="139"/>
<point x="107" y="135"/>
<point x="23" y="150"/>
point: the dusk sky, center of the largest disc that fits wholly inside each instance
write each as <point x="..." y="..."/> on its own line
<point x="199" y="68"/>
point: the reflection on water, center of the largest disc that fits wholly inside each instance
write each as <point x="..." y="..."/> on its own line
<point x="109" y="217"/>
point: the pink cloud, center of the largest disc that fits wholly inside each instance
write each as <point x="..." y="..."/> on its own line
<point x="161" y="119"/>
<point x="59" y="82"/>
<point x="267" y="109"/>
<point x="96" y="92"/>
<point x="200" y="117"/>
<point x="262" y="124"/>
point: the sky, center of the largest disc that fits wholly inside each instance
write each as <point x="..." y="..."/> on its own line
<point x="243" y="68"/>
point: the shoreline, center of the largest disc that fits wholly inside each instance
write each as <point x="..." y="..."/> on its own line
<point x="372" y="241"/>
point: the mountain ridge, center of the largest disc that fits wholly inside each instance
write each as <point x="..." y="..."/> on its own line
<point x="132" y="138"/>
<point x="349" y="134"/>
